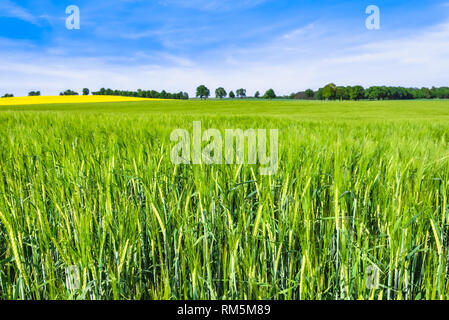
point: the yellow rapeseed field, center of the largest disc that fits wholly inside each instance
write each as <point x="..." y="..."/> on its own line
<point x="67" y="99"/>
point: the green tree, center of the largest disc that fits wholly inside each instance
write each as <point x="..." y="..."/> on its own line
<point x="257" y="95"/>
<point x="68" y="93"/>
<point x="341" y="93"/>
<point x="202" y="92"/>
<point x="102" y="92"/>
<point x="270" y="94"/>
<point x="86" y="92"/>
<point x="425" y="92"/>
<point x="241" y="93"/>
<point x="357" y="93"/>
<point x="329" y="91"/>
<point x="232" y="95"/>
<point x="319" y="94"/>
<point x="372" y="93"/>
<point x="220" y="93"/>
<point x="309" y="93"/>
<point x="34" y="93"/>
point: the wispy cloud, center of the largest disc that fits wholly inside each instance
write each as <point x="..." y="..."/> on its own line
<point x="213" y="5"/>
<point x="298" y="32"/>
<point x="11" y="10"/>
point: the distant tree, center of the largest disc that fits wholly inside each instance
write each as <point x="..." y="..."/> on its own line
<point x="309" y="93"/>
<point x="319" y="94"/>
<point x="86" y="92"/>
<point x="232" y="95"/>
<point x="440" y="93"/>
<point x="270" y="94"/>
<point x="142" y="94"/>
<point x="372" y="93"/>
<point x="101" y="92"/>
<point x="34" y="93"/>
<point x="8" y="95"/>
<point x="376" y="93"/>
<point x="433" y="93"/>
<point x="329" y="91"/>
<point x="257" y="95"/>
<point x="357" y="93"/>
<point x="220" y="93"/>
<point x="425" y="93"/>
<point x="341" y="93"/>
<point x="202" y="92"/>
<point x="241" y="93"/>
<point x="68" y="93"/>
<point x="384" y="93"/>
<point x="415" y="93"/>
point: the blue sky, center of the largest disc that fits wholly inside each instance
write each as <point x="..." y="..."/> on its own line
<point x="255" y="44"/>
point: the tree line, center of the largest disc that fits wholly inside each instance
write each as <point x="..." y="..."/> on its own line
<point x="143" y="94"/>
<point x="203" y="92"/>
<point x="334" y="92"/>
<point x="328" y="92"/>
<point x="30" y="94"/>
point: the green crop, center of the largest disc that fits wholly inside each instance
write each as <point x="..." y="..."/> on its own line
<point x="91" y="206"/>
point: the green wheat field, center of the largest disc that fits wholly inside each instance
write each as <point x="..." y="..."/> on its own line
<point x="91" y="206"/>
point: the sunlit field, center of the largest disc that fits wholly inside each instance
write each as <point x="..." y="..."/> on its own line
<point x="91" y="207"/>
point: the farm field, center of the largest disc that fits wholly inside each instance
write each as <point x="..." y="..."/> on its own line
<point x="14" y="101"/>
<point x="91" y="206"/>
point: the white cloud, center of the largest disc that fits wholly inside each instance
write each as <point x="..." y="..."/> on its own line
<point x="288" y="64"/>
<point x="12" y="10"/>
<point x="298" y="32"/>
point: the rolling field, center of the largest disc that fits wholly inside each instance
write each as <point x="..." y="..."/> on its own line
<point x="91" y="206"/>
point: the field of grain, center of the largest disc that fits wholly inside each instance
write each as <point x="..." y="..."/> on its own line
<point x="91" y="206"/>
